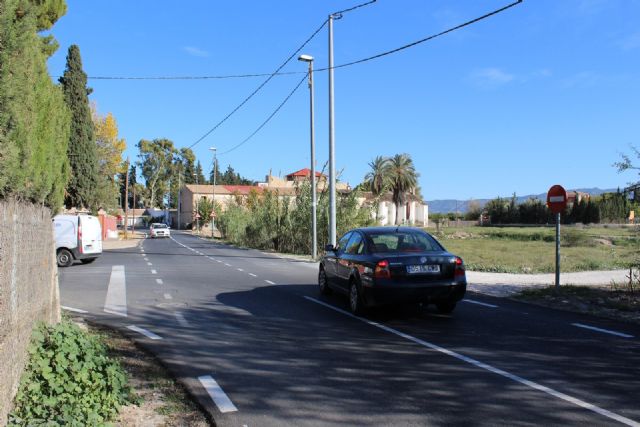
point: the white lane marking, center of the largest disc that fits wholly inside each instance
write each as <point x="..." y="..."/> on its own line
<point x="228" y="265"/>
<point x="270" y="282"/>
<point x="149" y="263"/>
<point x="239" y="269"/>
<point x="146" y="259"/>
<point x="480" y="303"/>
<point x="482" y="365"/>
<point x="116" y="301"/>
<point x="154" y="272"/>
<point x="253" y="275"/>
<point x="168" y="296"/>
<point x="159" y="281"/>
<point x="218" y="396"/>
<point x="606" y="331"/>
<point x="75" y="310"/>
<point x="144" y="332"/>
<point x="218" y="261"/>
<point x="180" y="318"/>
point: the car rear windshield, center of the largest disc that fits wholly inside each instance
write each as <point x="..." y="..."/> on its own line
<point x="403" y="242"/>
<point x="159" y="226"/>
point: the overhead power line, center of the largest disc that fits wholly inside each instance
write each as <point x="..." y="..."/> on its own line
<point x="268" y="118"/>
<point x="220" y="77"/>
<point x="217" y="125"/>
<point x="354" y="7"/>
<point x="431" y="37"/>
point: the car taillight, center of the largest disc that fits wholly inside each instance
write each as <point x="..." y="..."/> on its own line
<point x="382" y="270"/>
<point x="80" y="238"/>
<point x="459" y="269"/>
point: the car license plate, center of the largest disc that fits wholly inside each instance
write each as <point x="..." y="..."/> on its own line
<point x="428" y="268"/>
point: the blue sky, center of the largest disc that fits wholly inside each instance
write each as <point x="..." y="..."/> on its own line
<point x="547" y="92"/>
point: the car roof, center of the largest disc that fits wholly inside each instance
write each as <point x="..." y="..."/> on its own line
<point x="388" y="230"/>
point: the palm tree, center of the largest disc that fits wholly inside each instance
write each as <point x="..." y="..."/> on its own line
<point x="403" y="179"/>
<point x="376" y="180"/>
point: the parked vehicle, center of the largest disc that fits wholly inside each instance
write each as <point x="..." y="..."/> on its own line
<point x="78" y="237"/>
<point x="392" y="265"/>
<point x="158" y="229"/>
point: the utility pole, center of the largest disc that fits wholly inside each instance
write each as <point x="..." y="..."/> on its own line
<point x="179" y="192"/>
<point x="126" y="202"/>
<point x="133" y="226"/>
<point x="213" y="192"/>
<point x="332" y="160"/>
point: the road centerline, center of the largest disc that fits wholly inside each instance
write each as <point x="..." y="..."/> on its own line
<point x="484" y="304"/>
<point x="487" y="367"/>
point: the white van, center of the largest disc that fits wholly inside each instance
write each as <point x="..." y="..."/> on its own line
<point x="77" y="237"/>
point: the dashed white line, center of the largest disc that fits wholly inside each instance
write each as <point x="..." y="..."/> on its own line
<point x="253" y="275"/>
<point x="75" y="310"/>
<point x="144" y="332"/>
<point x="484" y="304"/>
<point x="228" y="265"/>
<point x="482" y="365"/>
<point x="116" y="300"/>
<point x="605" y="331"/>
<point x="218" y="396"/>
<point x="146" y="259"/>
<point x="180" y="318"/>
<point x="154" y="272"/>
<point x="239" y="269"/>
<point x="149" y="263"/>
<point x="270" y="282"/>
<point x="159" y="281"/>
<point x="168" y="296"/>
<point x="218" y="261"/>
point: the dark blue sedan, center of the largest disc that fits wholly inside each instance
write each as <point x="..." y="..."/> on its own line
<point x="377" y="266"/>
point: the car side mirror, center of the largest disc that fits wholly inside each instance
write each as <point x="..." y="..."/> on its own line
<point x="329" y="248"/>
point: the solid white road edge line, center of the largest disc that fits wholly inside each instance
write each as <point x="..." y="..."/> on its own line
<point x="116" y="301"/>
<point x="606" y="331"/>
<point x="480" y="303"/>
<point x="144" y="332"/>
<point x="75" y="310"/>
<point x="218" y="396"/>
<point x="482" y="365"/>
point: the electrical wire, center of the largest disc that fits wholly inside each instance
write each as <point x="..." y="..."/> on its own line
<point x="221" y="77"/>
<point x="354" y="8"/>
<point x="268" y="118"/>
<point x="259" y="87"/>
<point x="431" y="37"/>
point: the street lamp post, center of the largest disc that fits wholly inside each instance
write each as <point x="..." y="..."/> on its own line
<point x="332" y="161"/>
<point x="197" y="211"/>
<point x="314" y="244"/>
<point x="213" y="192"/>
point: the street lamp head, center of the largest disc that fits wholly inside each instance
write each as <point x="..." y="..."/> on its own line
<point x="213" y="148"/>
<point x="305" y="58"/>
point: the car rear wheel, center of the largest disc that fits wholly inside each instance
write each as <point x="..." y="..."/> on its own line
<point x="322" y="282"/>
<point x="446" y="307"/>
<point x="355" y="299"/>
<point x="64" y="258"/>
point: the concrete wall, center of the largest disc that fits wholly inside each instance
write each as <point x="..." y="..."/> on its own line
<point x="28" y="288"/>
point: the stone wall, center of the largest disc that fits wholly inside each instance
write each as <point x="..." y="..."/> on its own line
<point x="28" y="288"/>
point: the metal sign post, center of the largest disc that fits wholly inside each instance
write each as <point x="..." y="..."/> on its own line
<point x="557" y="202"/>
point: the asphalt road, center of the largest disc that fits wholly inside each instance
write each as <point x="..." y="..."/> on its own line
<point x="251" y="338"/>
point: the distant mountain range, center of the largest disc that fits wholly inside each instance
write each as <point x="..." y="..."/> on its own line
<point x="462" y="206"/>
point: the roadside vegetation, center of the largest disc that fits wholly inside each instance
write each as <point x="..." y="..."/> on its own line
<point x="532" y="249"/>
<point x="69" y="379"/>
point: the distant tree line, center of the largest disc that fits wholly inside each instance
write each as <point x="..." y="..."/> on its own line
<point x="609" y="208"/>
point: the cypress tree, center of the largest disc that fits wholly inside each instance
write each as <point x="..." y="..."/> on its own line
<point x="81" y="190"/>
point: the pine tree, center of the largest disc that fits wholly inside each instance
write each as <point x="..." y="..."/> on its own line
<point x="82" y="187"/>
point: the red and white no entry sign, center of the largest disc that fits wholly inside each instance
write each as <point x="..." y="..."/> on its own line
<point x="557" y="199"/>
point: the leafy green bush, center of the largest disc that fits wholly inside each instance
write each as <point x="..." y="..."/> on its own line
<point x="69" y="380"/>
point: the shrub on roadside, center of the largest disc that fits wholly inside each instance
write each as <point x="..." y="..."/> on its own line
<point x="69" y="380"/>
